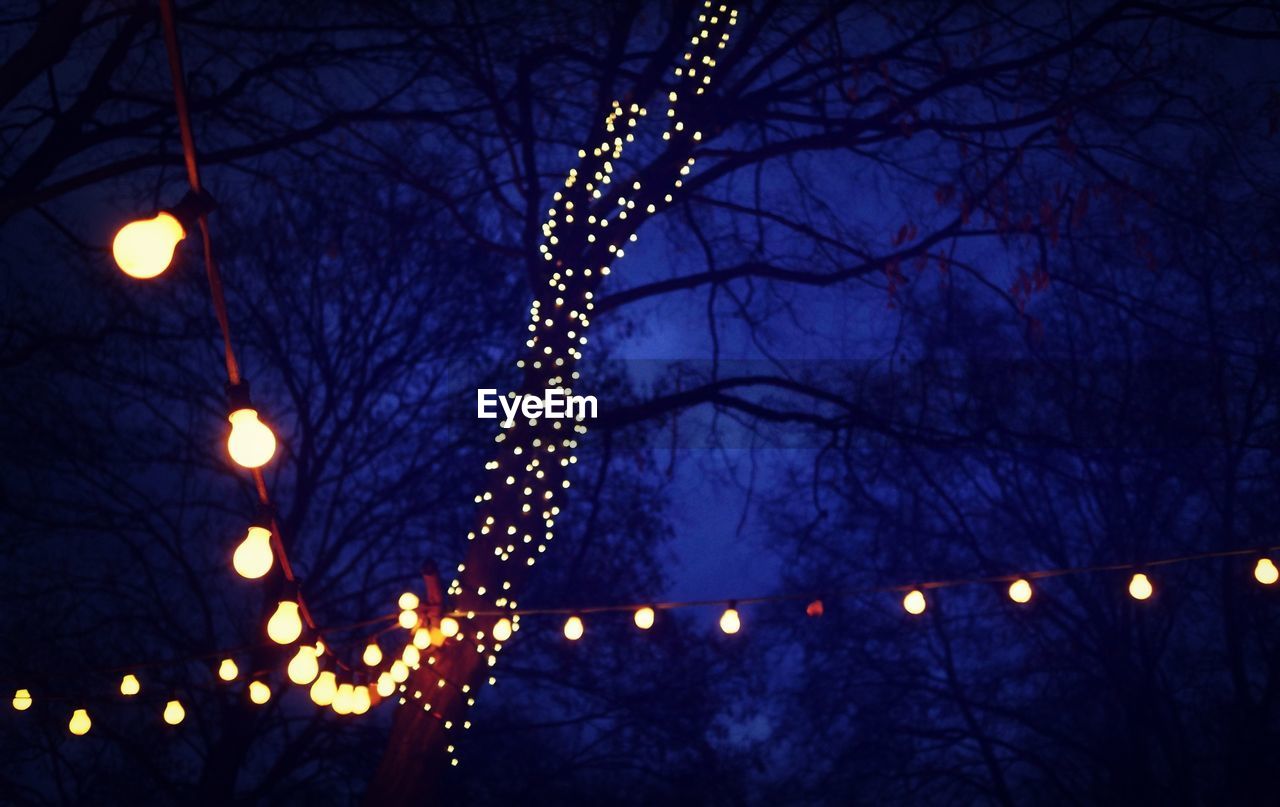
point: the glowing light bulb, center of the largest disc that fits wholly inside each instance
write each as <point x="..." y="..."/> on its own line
<point x="259" y="692"/>
<point x="914" y="602"/>
<point x="285" y="626"/>
<point x="502" y="630"/>
<point x="228" y="670"/>
<point x="1265" y="572"/>
<point x="422" y="638"/>
<point x="399" y="671"/>
<point x="573" y="628"/>
<point x="408" y="619"/>
<point x="1020" y="591"/>
<point x="372" y="654"/>
<point x="344" y="699"/>
<point x="386" y="685"/>
<point x="251" y="443"/>
<point x="144" y="248"/>
<point x="80" y="723"/>
<point x="1140" y="587"/>
<point x="174" y="713"/>
<point x="304" y="666"/>
<point x="129" y="685"/>
<point x="22" y="700"/>
<point x="253" y="557"/>
<point x="361" y="700"/>
<point x="449" y="626"/>
<point x="412" y="656"/>
<point x="324" y="689"/>
<point x="643" y="618"/>
<point x="408" y="601"/>
<point x="730" y="622"/>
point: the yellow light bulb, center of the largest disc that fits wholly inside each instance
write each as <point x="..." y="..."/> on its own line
<point x="644" y="618"/>
<point x="408" y="601"/>
<point x="408" y="619"/>
<point x="449" y="626"/>
<point x="324" y="689"/>
<point x="80" y="722"/>
<point x="344" y="699"/>
<point x="174" y="713"/>
<point x="1020" y="591"/>
<point x="285" y="625"/>
<point x="304" y="666"/>
<point x="399" y="671"/>
<point x="259" y="692"/>
<point x="129" y="685"/>
<point x="1265" y="572"/>
<point x="144" y="248"/>
<point x="386" y="685"/>
<point x="372" y="654"/>
<point x="730" y="622"/>
<point x="22" y="700"/>
<point x="251" y="443"/>
<point x="412" y="656"/>
<point x="362" y="701"/>
<point x="914" y="602"/>
<point x="252" y="558"/>
<point x="1140" y="587"/>
<point x="228" y="670"/>
<point x="502" y="630"/>
<point x="422" y="638"/>
<point x="573" y="628"/>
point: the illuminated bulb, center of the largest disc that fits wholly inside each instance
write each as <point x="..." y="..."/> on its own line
<point x="422" y="638"/>
<point x="324" y="689"/>
<point x="344" y="699"/>
<point x="386" y="685"/>
<point x="251" y="443"/>
<point x="285" y="626"/>
<point x="1020" y="591"/>
<point x="730" y="622"/>
<point x="1140" y="587"/>
<point x="399" y="671"/>
<point x="502" y="630"/>
<point x="644" y="618"/>
<point x="914" y="602"/>
<point x="174" y="713"/>
<point x="361" y="700"/>
<point x="372" y="654"/>
<point x="408" y="601"/>
<point x="259" y="692"/>
<point x="129" y="685"/>
<point x="144" y="248"/>
<point x="80" y="722"/>
<point x="408" y="619"/>
<point x="449" y="626"/>
<point x="1265" y="572"/>
<point x="304" y="666"/>
<point x="252" y="559"/>
<point x="573" y="628"/>
<point x="22" y="700"/>
<point x="228" y="670"/>
<point x="412" y="656"/>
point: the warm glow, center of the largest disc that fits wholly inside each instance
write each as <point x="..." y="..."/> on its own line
<point x="251" y="443"/>
<point x="252" y="559"/>
<point x="285" y="625"/>
<point x="644" y="618"/>
<point x="361" y="700"/>
<point x="386" y="685"/>
<point x="259" y="692"/>
<point x="1265" y="572"/>
<point x="412" y="656"/>
<point x="129" y="685"/>
<point x="304" y="666"/>
<point x="80" y="722"/>
<point x="1140" y="587"/>
<point x="144" y="248"/>
<point x="174" y="713"/>
<point x="372" y="654"/>
<point x="408" y="619"/>
<point x="1020" y="590"/>
<point x="228" y="670"/>
<point x="422" y="638"/>
<point x="408" y="601"/>
<point x="914" y="602"/>
<point x="449" y="626"/>
<point x="573" y="628"/>
<point x="436" y="635"/>
<point x="344" y="699"/>
<point x="324" y="689"/>
<point x="502" y="630"/>
<point x="730" y="622"/>
<point x="399" y="671"/>
<point x="22" y="700"/>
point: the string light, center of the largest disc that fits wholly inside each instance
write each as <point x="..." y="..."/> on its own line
<point x="1140" y="587"/>
<point x="408" y="601"/>
<point x="144" y="249"/>
<point x="80" y="723"/>
<point x="361" y="701"/>
<point x="643" y="617"/>
<point x="22" y="700"/>
<point x="502" y="630"/>
<point x="408" y="619"/>
<point x="449" y="626"/>
<point x="228" y="670"/>
<point x="259" y="692"/>
<point x="914" y="602"/>
<point x="372" y="654"/>
<point x="304" y="666"/>
<point x="285" y="626"/>
<point x="1265" y="572"/>
<point x="129" y="685"/>
<point x="573" y="628"/>
<point x="344" y="699"/>
<point x="324" y="689"/>
<point x="174" y="713"/>
<point x="1020" y="591"/>
<point x="730" y="622"/>
<point x="252" y="558"/>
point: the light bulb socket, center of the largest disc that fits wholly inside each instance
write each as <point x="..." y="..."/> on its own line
<point x="238" y="396"/>
<point x="191" y="207"/>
